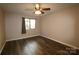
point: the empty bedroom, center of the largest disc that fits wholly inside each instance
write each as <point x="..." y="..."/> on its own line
<point x="39" y="28"/>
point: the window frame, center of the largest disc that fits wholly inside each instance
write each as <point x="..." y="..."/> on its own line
<point x="29" y="26"/>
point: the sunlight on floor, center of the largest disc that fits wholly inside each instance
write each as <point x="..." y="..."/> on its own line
<point x="31" y="48"/>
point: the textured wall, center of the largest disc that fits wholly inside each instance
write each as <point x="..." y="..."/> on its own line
<point x="14" y="27"/>
<point x="62" y="26"/>
<point x="2" y="29"/>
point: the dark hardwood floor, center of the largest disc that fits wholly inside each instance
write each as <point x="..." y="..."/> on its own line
<point x="37" y="46"/>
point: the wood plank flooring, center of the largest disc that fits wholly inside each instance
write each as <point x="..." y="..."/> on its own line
<point x="37" y="46"/>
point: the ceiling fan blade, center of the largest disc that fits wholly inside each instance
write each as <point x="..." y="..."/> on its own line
<point x="45" y="9"/>
<point x="42" y="12"/>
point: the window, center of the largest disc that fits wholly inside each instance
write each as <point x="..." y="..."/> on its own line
<point x="30" y="24"/>
<point x="27" y="23"/>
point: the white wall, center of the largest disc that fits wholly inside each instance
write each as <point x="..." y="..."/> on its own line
<point x="2" y="29"/>
<point x="62" y="26"/>
<point x="14" y="26"/>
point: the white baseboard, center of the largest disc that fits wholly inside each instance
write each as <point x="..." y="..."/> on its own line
<point x="61" y="42"/>
<point x="21" y="38"/>
<point x="2" y="47"/>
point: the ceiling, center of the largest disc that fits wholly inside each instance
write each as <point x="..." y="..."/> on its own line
<point x="28" y="8"/>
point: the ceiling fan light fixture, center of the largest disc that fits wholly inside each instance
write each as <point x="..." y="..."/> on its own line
<point x="38" y="12"/>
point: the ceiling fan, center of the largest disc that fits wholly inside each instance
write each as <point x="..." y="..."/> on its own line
<point x="40" y="10"/>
